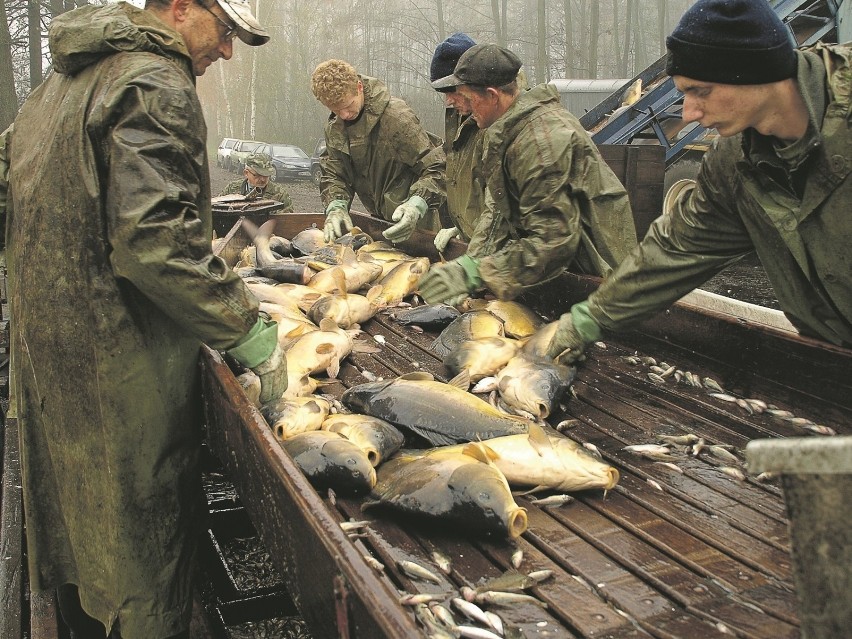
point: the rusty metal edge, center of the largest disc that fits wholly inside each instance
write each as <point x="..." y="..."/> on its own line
<point x="11" y="538"/>
<point x="306" y="542"/>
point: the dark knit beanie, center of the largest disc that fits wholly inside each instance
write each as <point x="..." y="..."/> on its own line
<point x="447" y="54"/>
<point x="731" y="42"/>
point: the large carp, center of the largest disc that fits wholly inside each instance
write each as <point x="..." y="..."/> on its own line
<point x="481" y="357"/>
<point x="462" y="487"/>
<point x="534" y="384"/>
<point x="547" y="462"/>
<point x="290" y="416"/>
<point x="329" y="460"/>
<point x="271" y="264"/>
<point x="443" y="414"/>
<point x="518" y="320"/>
<point x="473" y="325"/>
<point x="376" y="437"/>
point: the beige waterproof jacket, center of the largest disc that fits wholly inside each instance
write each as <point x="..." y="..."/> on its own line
<point x="113" y="288"/>
<point x="748" y="199"/>
<point x="273" y="191"/>
<point x="465" y="185"/>
<point x="552" y="201"/>
<point x="384" y="157"/>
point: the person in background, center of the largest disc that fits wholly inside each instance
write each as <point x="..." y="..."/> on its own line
<point x="551" y="202"/>
<point x="257" y="184"/>
<point x="112" y="303"/>
<point x="375" y="148"/>
<point x="776" y="183"/>
<point x="462" y="145"/>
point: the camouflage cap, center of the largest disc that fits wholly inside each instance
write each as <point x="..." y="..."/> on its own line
<point x="260" y="163"/>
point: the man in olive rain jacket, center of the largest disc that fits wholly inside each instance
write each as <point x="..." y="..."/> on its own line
<point x="551" y="201"/>
<point x="113" y="289"/>
<point x="375" y="148"/>
<point x="777" y="183"/>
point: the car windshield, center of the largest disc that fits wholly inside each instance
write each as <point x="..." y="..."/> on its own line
<point x="282" y="151"/>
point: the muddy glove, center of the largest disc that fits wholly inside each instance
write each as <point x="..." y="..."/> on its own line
<point x="337" y="220"/>
<point x="259" y="351"/>
<point x="576" y="330"/>
<point x="406" y="216"/>
<point x="449" y="281"/>
<point x="444" y="236"/>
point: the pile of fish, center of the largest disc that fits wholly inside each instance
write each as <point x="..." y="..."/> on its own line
<point x="465" y="454"/>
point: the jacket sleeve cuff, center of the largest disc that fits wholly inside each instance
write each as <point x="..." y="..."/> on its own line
<point x="257" y="345"/>
<point x="585" y="325"/>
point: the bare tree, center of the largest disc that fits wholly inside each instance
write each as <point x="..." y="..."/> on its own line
<point x="542" y="65"/>
<point x="8" y="95"/>
<point x="594" y="34"/>
<point x="34" y="26"/>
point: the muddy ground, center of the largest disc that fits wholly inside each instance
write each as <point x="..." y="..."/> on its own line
<point x="744" y="281"/>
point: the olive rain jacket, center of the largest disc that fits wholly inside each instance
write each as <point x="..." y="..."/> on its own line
<point x="465" y="186"/>
<point x="747" y="198"/>
<point x="384" y="157"/>
<point x="552" y="201"/>
<point x="273" y="191"/>
<point x="113" y="288"/>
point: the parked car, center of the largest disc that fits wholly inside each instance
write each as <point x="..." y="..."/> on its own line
<point x="316" y="172"/>
<point x="223" y="152"/>
<point x="290" y="161"/>
<point x="242" y="149"/>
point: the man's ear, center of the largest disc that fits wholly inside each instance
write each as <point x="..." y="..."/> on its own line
<point x="180" y="9"/>
<point x="493" y="93"/>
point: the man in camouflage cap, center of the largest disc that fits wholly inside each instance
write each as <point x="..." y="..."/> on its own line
<point x="551" y="202"/>
<point x="256" y="184"/>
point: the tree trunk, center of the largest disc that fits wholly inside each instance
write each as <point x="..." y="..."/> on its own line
<point x="442" y="30"/>
<point x="498" y="30"/>
<point x="581" y="63"/>
<point x="662" y="23"/>
<point x="542" y="66"/>
<point x="34" y="27"/>
<point x="594" y="34"/>
<point x="8" y="96"/>
<point x="569" y="40"/>
<point x="628" y="31"/>
<point x="620" y="72"/>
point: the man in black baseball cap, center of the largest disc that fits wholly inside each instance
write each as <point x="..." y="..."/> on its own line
<point x="551" y="201"/>
<point x="777" y="183"/>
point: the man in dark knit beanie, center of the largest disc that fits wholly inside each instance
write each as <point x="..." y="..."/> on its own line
<point x="776" y="183"/>
<point x="461" y="139"/>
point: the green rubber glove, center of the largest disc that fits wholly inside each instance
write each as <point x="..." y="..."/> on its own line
<point x="444" y="236"/>
<point x="406" y="216"/>
<point x="259" y="351"/>
<point x="450" y="280"/>
<point x="576" y="330"/>
<point x="337" y="220"/>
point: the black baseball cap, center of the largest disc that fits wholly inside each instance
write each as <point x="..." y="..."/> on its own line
<point x="486" y="65"/>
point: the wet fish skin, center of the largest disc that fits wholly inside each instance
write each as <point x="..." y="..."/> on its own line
<point x="328" y="460"/>
<point x="498" y="598"/>
<point x="553" y="500"/>
<point x="473" y="325"/>
<point x="346" y="309"/>
<point x="534" y="384"/>
<point x="420" y="598"/>
<point x="416" y="571"/>
<point x="429" y="316"/>
<point x="470" y="610"/>
<point x="376" y="437"/>
<point x="402" y="280"/>
<point x="445" y="565"/>
<point x="472" y="632"/>
<point x="482" y="357"/>
<point x="293" y="415"/>
<point x="518" y="320"/>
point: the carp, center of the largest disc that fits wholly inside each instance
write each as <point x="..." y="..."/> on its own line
<point x="428" y="316"/>
<point x="460" y="487"/>
<point x="402" y="280"/>
<point x="473" y="325"/>
<point x="443" y="414"/>
<point x="319" y="350"/>
<point x="538" y="342"/>
<point x="329" y="460"/>
<point x="346" y="309"/>
<point x="534" y="384"/>
<point x="548" y="462"/>
<point x="285" y="294"/>
<point x="250" y="383"/>
<point x="308" y="241"/>
<point x="268" y="262"/>
<point x="481" y="357"/>
<point x="518" y="320"/>
<point x="376" y="437"/>
<point x="290" y="416"/>
<point x="291" y="321"/>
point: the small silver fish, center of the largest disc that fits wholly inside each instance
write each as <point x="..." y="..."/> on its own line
<point x="540" y="575"/>
<point x="349" y="526"/>
<point x="656" y="378"/>
<point x="442" y="561"/>
<point x="565" y="424"/>
<point x="495" y="622"/>
<point x="498" y="598"/>
<point x="712" y="384"/>
<point x="416" y="571"/>
<point x="730" y="471"/>
<point x="420" y="598"/>
<point x="655" y="484"/>
<point x="670" y="466"/>
<point x="654" y="451"/>
<point x="470" y="610"/>
<point x="442" y="614"/>
<point x="553" y="500"/>
<point x="374" y="563"/>
<point x="723" y="397"/>
<point x="819" y="429"/>
<point x="517" y="558"/>
<point x="679" y="440"/>
<point x="472" y="632"/>
<point x="721" y="453"/>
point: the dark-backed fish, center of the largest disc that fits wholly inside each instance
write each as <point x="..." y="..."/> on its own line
<point x="428" y="315"/>
<point x="473" y="325"/>
<point x="329" y="460"/>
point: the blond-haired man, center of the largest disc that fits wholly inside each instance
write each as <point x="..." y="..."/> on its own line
<point x="377" y="149"/>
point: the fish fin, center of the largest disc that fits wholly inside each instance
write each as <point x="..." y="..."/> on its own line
<point x="250" y="228"/>
<point x="333" y="369"/>
<point x="266" y="229"/>
<point x="325" y="348"/>
<point x="503" y="383"/>
<point x="433" y="437"/>
<point x="418" y="376"/>
<point x="365" y="257"/>
<point x="365" y="347"/>
<point x="537" y="489"/>
<point x="539" y="440"/>
<point x="370" y="503"/>
<point x="462" y="380"/>
<point x="477" y="450"/>
<point x="339" y="277"/>
<point x="296" y="332"/>
<point x="328" y="324"/>
<point x="347" y="256"/>
<point x="374" y="293"/>
<point x="355" y="230"/>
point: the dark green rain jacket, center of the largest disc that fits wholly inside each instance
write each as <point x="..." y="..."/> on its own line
<point x="552" y="201"/>
<point x="748" y="199"/>
<point x="384" y="157"/>
<point x="113" y="288"/>
<point x="465" y="186"/>
<point x="273" y="191"/>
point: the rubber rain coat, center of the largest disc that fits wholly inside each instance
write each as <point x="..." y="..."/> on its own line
<point x="747" y="198"/>
<point x="113" y="288"/>
<point x="465" y="185"/>
<point x="384" y="157"/>
<point x="552" y="201"/>
<point x="272" y="191"/>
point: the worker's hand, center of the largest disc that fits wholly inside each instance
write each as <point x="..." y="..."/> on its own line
<point x="575" y="330"/>
<point x="444" y="236"/>
<point x="337" y="220"/>
<point x="259" y="351"/>
<point x="451" y="280"/>
<point x="406" y="216"/>
<point x="273" y="376"/>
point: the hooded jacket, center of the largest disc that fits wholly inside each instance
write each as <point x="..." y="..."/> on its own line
<point x="384" y="157"/>
<point x="790" y="206"/>
<point x="465" y="186"/>
<point x="552" y="202"/>
<point x="113" y="288"/>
